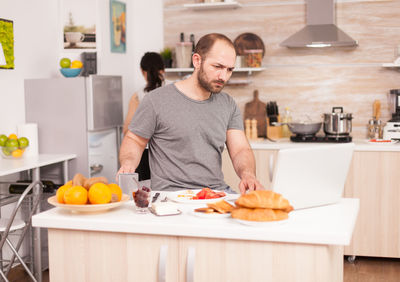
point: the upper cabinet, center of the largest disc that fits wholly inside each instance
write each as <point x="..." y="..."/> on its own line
<point x="213" y="5"/>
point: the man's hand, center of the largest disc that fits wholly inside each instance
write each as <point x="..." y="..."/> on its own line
<point x="249" y="183"/>
<point x="131" y="150"/>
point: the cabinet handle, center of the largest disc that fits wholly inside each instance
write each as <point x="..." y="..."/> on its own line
<point x="191" y="260"/>
<point x="271" y="168"/>
<point x="162" y="263"/>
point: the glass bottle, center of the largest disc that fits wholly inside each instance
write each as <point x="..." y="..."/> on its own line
<point x="286" y="118"/>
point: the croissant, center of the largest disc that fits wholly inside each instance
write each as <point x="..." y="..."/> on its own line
<point x="259" y="214"/>
<point x="264" y="199"/>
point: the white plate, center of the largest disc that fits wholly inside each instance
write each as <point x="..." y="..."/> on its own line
<point x="184" y="197"/>
<point x="210" y="215"/>
<point x="88" y="208"/>
<point x="382" y="142"/>
<point x="261" y="223"/>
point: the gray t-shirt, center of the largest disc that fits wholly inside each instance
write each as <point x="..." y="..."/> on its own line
<point x="187" y="137"/>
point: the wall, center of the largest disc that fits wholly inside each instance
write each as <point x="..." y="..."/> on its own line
<point x="37" y="48"/>
<point x="309" y="81"/>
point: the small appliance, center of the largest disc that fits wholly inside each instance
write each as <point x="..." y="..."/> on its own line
<point x="392" y="127"/>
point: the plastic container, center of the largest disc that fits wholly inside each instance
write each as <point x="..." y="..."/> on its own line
<point x="183" y="53"/>
<point x="253" y="58"/>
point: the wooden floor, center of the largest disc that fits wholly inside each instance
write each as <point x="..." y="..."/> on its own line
<point x="364" y="269"/>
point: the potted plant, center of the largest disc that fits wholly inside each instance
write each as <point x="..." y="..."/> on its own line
<point x="166" y="55"/>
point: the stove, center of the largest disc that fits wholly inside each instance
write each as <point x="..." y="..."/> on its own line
<point x="321" y="139"/>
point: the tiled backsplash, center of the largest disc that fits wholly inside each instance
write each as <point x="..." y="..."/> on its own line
<point x="309" y="81"/>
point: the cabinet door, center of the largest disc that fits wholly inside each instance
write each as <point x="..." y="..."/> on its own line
<point x="374" y="178"/>
<point x="205" y="259"/>
<point x="76" y="255"/>
<point x="262" y="158"/>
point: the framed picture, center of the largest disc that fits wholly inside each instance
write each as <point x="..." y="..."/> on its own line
<point x="6" y="44"/>
<point x="79" y="24"/>
<point x="118" y="26"/>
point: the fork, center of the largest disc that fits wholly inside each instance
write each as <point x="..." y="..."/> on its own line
<point x="165" y="199"/>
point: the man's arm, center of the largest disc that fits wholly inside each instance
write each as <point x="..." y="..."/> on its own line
<point x="131" y="150"/>
<point x="243" y="160"/>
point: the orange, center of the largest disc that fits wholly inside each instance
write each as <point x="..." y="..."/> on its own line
<point x="13" y="136"/>
<point x="115" y="190"/>
<point x="17" y="153"/>
<point x="75" y="195"/>
<point x="61" y="190"/>
<point x="99" y="193"/>
<point x="76" y="64"/>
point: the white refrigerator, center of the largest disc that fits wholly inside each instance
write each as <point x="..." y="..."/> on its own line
<point x="81" y="115"/>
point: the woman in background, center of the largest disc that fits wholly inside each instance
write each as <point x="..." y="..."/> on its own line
<point x="152" y="67"/>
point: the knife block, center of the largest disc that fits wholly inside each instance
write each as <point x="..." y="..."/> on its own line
<point x="274" y="132"/>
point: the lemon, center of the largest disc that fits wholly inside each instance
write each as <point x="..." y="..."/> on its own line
<point x="17" y="153"/>
<point x="76" y="64"/>
<point x="12" y="136"/>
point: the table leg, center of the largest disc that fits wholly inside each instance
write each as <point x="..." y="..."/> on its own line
<point x="65" y="171"/>
<point x="37" y="258"/>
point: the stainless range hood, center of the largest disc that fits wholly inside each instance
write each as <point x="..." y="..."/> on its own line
<point x="320" y="30"/>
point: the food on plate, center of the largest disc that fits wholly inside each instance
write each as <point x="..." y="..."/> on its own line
<point x="221" y="206"/>
<point x="262" y="205"/>
<point x="90" y="181"/>
<point x="205" y="210"/>
<point x="76" y="195"/>
<point x="78" y="180"/>
<point x="142" y="197"/>
<point x="259" y="214"/>
<point x="100" y="193"/>
<point x="263" y="199"/>
<point x="207" y="193"/>
<point x="218" y="207"/>
<point x="162" y="208"/>
<point x="116" y="192"/>
<point x="61" y="191"/>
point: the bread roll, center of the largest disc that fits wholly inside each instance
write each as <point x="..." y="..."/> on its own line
<point x="78" y="180"/>
<point x="90" y="181"/>
<point x="259" y="214"/>
<point x="263" y="199"/>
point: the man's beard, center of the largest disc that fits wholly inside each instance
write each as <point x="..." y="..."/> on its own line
<point x="208" y="85"/>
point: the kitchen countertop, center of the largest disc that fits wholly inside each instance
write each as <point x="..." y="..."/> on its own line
<point x="10" y="166"/>
<point x="331" y="224"/>
<point x="360" y="145"/>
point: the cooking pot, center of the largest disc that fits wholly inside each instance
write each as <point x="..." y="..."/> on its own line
<point x="337" y="123"/>
<point x="303" y="128"/>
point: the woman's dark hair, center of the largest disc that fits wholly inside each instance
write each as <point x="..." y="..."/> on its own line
<point x="152" y="63"/>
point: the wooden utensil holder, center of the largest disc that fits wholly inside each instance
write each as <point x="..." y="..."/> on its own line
<point x="274" y="132"/>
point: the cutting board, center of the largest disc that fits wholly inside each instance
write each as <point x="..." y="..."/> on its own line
<point x="257" y="110"/>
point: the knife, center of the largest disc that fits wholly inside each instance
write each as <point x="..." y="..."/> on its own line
<point x="155" y="197"/>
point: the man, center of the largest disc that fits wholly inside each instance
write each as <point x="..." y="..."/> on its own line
<point x="187" y="125"/>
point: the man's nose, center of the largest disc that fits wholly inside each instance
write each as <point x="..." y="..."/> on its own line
<point x="223" y="75"/>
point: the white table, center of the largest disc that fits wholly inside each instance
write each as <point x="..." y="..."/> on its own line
<point x="314" y="235"/>
<point x="11" y="166"/>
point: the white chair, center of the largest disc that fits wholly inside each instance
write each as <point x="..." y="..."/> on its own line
<point x="11" y="224"/>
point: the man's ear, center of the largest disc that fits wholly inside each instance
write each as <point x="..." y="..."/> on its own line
<point x="196" y="59"/>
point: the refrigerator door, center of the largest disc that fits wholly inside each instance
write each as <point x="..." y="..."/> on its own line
<point x="104" y="102"/>
<point x="103" y="155"/>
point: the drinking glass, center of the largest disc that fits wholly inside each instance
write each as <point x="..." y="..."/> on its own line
<point x="142" y="199"/>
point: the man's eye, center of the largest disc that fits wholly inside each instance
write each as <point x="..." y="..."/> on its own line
<point x="230" y="69"/>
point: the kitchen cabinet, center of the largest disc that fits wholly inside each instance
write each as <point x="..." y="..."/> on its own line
<point x="121" y="245"/>
<point x="373" y="178"/>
